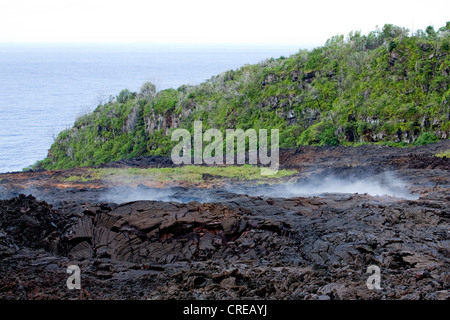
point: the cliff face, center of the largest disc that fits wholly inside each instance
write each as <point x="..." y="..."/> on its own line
<point x="387" y="87"/>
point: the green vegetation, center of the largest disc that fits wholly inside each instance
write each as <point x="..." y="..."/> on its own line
<point x="79" y="179"/>
<point x="185" y="173"/>
<point x="426" y="138"/>
<point x="191" y="173"/>
<point x="443" y="154"/>
<point x="389" y="87"/>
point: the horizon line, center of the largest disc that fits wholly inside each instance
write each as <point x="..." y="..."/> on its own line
<point x="190" y="44"/>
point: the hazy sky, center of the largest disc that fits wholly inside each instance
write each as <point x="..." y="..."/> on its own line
<point x="208" y="21"/>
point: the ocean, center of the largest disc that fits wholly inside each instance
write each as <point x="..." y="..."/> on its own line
<point x="45" y="87"/>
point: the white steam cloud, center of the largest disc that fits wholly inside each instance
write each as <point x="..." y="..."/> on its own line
<point x="182" y="195"/>
<point x="386" y="184"/>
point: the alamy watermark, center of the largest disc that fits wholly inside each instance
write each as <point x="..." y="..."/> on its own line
<point x="74" y="281"/>
<point x="374" y="281"/>
<point x="213" y="152"/>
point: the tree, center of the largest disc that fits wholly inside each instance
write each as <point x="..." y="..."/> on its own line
<point x="148" y="91"/>
<point x="391" y="32"/>
<point x="124" y="95"/>
<point x="446" y="27"/>
<point x="430" y="32"/>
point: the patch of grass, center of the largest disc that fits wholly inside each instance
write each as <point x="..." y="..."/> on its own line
<point x="89" y="175"/>
<point x="357" y="144"/>
<point x="393" y="144"/>
<point x="78" y="179"/>
<point x="191" y="173"/>
<point x="442" y="154"/>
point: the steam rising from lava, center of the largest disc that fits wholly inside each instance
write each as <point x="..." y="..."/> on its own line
<point x="385" y="184"/>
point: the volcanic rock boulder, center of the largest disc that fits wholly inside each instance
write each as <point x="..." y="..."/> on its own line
<point x="26" y="222"/>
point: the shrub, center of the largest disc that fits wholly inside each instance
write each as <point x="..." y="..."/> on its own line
<point x="426" y="138"/>
<point x="328" y="137"/>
